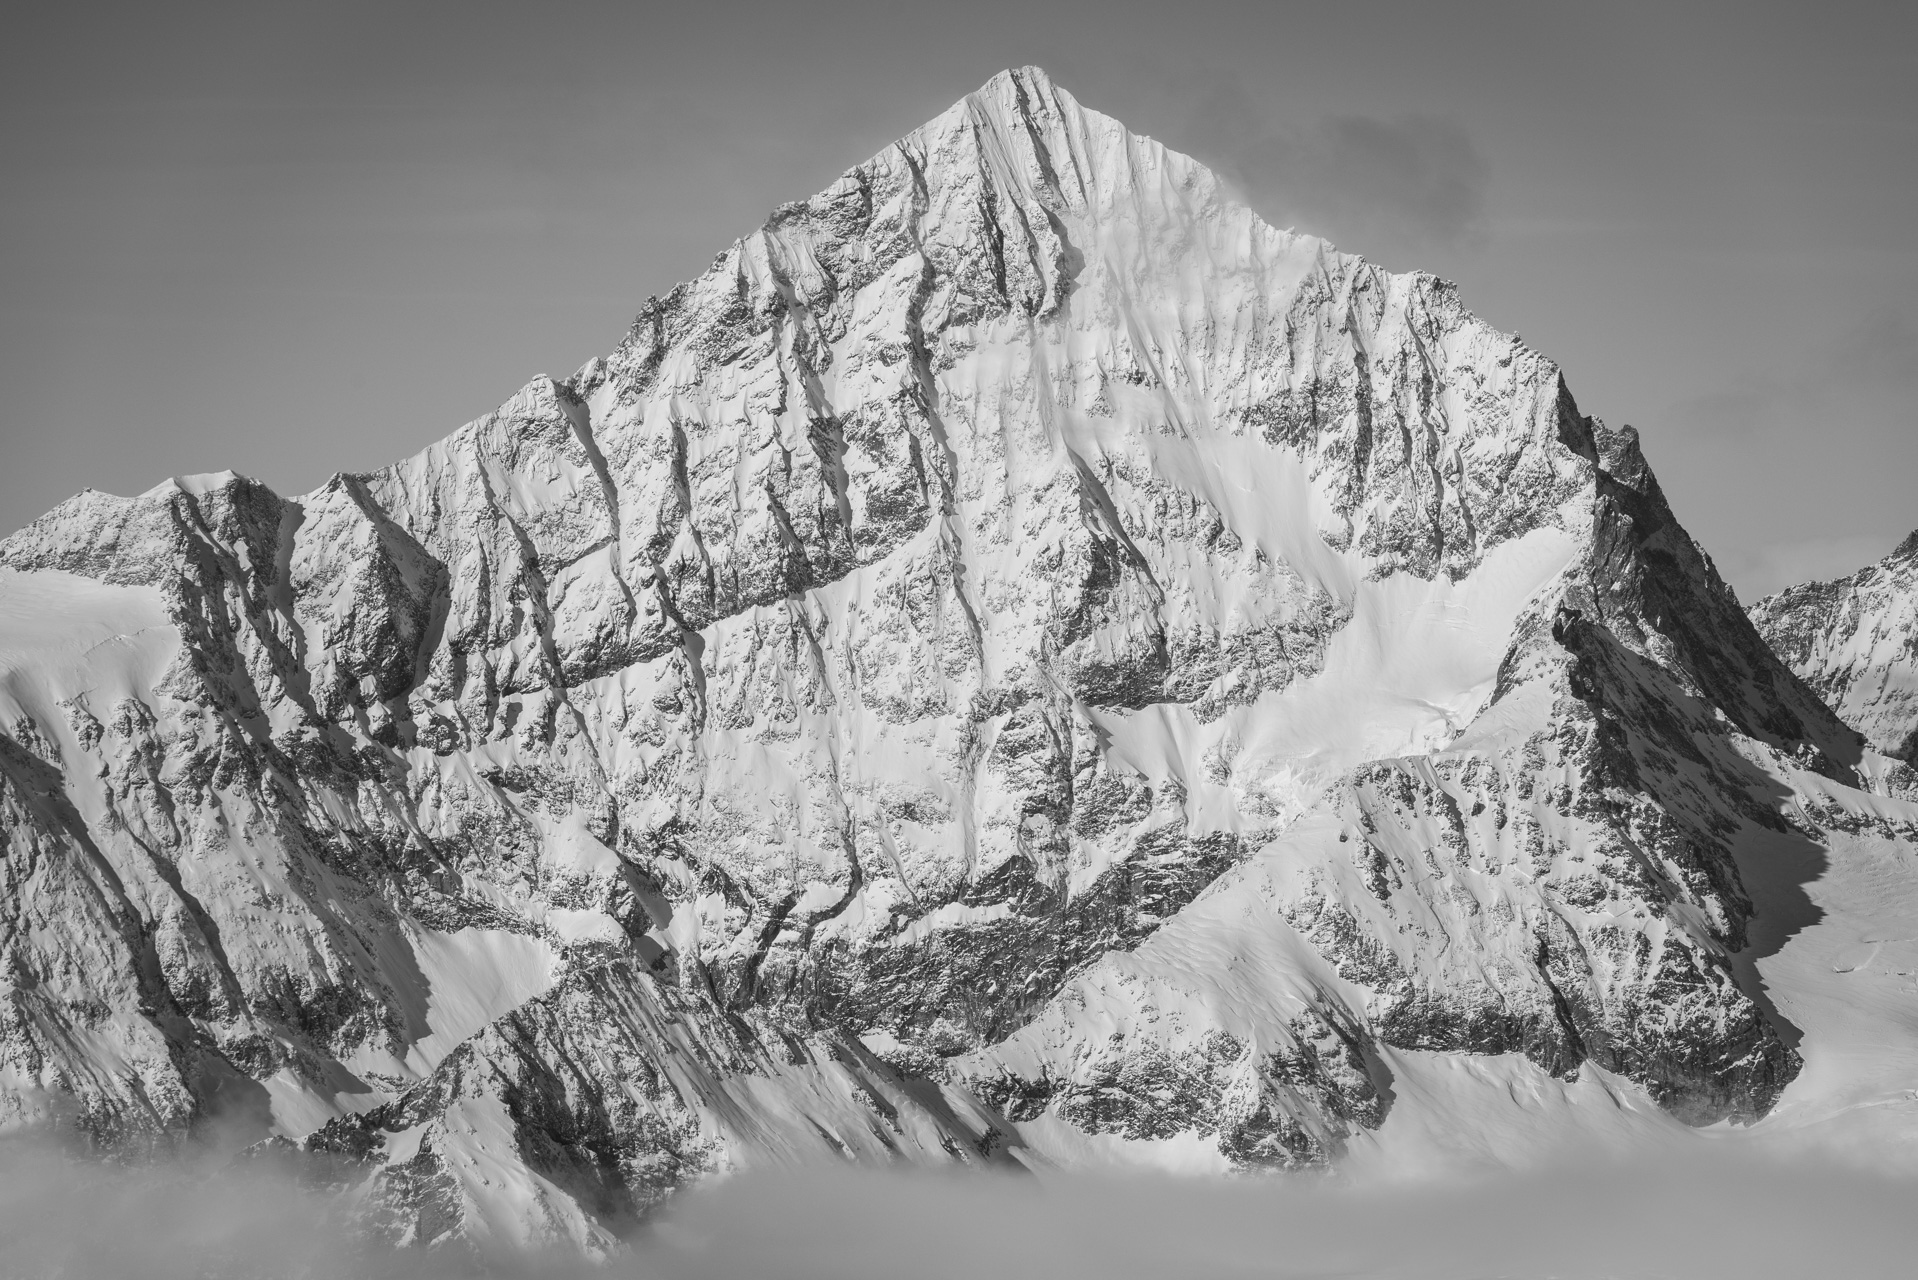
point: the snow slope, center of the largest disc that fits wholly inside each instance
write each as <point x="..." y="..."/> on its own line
<point x="1020" y="661"/>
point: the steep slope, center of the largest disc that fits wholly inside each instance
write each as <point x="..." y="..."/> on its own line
<point x="1855" y="641"/>
<point x="814" y="727"/>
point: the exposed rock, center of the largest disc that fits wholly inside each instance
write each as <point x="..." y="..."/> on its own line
<point x="1018" y="643"/>
<point x="1855" y="641"/>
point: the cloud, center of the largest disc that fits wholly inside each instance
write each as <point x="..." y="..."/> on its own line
<point x="1691" y="1214"/>
<point x="1353" y="178"/>
<point x="1693" y="1209"/>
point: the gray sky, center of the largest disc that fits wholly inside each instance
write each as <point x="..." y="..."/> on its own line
<point x="299" y="239"/>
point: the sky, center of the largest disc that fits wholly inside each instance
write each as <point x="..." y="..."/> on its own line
<point x="299" y="239"/>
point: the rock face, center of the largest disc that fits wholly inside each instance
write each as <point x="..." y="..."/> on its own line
<point x="1855" y="642"/>
<point x="1018" y="647"/>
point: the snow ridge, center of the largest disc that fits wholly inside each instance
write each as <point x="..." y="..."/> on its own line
<point x="1019" y="661"/>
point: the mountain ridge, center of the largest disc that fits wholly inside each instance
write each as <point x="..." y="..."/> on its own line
<point x="1021" y="661"/>
<point x="1855" y="641"/>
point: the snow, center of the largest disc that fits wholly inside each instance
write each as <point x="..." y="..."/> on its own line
<point x="1851" y="640"/>
<point x="1055" y="1145"/>
<point x="951" y="915"/>
<point x="820" y="611"/>
<point x="457" y="983"/>
<point x="1848" y="978"/>
<point x="1405" y="676"/>
<point x="574" y="927"/>
<point x="64" y="636"/>
<point x="1842" y="967"/>
<point x="570" y="848"/>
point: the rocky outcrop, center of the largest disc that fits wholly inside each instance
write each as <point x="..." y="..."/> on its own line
<point x="1855" y="641"/>
<point x="1018" y="643"/>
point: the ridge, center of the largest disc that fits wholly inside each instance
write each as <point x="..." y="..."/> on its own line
<point x="1019" y="658"/>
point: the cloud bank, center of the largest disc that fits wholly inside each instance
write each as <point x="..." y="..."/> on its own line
<point x="1709" y="1212"/>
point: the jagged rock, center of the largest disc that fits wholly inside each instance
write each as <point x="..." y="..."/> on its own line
<point x="1855" y="641"/>
<point x="1018" y="646"/>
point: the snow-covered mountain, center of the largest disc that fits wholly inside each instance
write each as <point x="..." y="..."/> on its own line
<point x="1855" y="642"/>
<point x="1021" y="661"/>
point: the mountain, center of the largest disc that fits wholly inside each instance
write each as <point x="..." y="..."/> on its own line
<point x="1021" y="662"/>
<point x="1855" y="642"/>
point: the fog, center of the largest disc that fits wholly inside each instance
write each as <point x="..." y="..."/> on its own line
<point x="1710" y="1212"/>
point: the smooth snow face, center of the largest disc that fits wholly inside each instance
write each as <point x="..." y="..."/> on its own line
<point x="1020" y="661"/>
<point x="1413" y="666"/>
<point x="64" y="637"/>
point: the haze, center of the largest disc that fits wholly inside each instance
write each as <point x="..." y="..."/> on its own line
<point x="295" y="240"/>
<point x="1691" y="1211"/>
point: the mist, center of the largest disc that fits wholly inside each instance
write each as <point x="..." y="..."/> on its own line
<point x="1700" y="1210"/>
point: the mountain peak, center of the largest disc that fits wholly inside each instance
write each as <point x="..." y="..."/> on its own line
<point x="1019" y="657"/>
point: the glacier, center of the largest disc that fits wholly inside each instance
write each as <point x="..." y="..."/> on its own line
<point x="1020" y="664"/>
